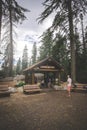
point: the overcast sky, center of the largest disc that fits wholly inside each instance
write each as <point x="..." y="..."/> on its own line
<point x="29" y="31"/>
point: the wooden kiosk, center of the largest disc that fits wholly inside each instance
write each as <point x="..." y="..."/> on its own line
<point x="49" y="67"/>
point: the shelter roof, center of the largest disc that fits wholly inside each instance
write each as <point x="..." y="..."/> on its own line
<point x="47" y="64"/>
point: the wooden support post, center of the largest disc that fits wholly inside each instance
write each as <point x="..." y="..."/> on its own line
<point x="26" y="77"/>
<point x="32" y="78"/>
<point x="59" y="78"/>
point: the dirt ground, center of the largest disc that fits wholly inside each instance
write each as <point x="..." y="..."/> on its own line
<point x="50" y="110"/>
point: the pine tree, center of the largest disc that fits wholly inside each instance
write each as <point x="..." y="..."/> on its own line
<point x="14" y="14"/>
<point x="0" y="19"/>
<point x="25" y="58"/>
<point x="47" y="43"/>
<point x="65" y="12"/>
<point x="18" y="67"/>
<point x="86" y="40"/>
<point x="34" y="53"/>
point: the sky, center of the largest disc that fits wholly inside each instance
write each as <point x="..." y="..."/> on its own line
<point x="29" y="31"/>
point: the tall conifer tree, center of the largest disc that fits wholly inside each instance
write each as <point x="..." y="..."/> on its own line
<point x="34" y="53"/>
<point x="14" y="14"/>
<point x="25" y="58"/>
<point x="65" y="12"/>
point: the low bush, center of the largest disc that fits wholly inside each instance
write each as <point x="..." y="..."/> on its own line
<point x="20" y="84"/>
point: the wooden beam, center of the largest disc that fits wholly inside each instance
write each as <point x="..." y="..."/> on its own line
<point x="47" y="70"/>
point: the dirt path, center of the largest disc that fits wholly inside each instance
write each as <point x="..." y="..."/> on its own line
<point x="45" y="111"/>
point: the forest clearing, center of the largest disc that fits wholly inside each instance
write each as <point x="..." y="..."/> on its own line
<point x="43" y="46"/>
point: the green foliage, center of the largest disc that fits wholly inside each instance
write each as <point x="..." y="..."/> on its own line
<point x="61" y="53"/>
<point x="65" y="13"/>
<point x="13" y="13"/>
<point x="19" y="67"/>
<point x="81" y="62"/>
<point x="34" y="53"/>
<point x="47" y="43"/>
<point x="81" y="68"/>
<point x="20" y="84"/>
<point x="25" y="58"/>
<point x="2" y="73"/>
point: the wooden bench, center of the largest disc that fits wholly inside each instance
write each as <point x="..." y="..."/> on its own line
<point x="4" y="90"/>
<point x="31" y="88"/>
<point x="79" y="88"/>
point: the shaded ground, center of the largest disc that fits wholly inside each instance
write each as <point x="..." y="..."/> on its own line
<point x="51" y="110"/>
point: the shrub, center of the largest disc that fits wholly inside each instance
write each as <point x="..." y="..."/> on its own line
<point x="20" y="84"/>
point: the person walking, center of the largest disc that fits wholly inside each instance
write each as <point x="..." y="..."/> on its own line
<point x="69" y="85"/>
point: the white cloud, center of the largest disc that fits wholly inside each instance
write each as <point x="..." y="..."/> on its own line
<point x="19" y="50"/>
<point x="29" y="31"/>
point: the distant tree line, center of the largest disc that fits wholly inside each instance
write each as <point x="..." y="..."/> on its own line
<point x="26" y="61"/>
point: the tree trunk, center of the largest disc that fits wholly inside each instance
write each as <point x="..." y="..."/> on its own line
<point x="11" y="41"/>
<point x="72" y="43"/>
<point x="0" y="19"/>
